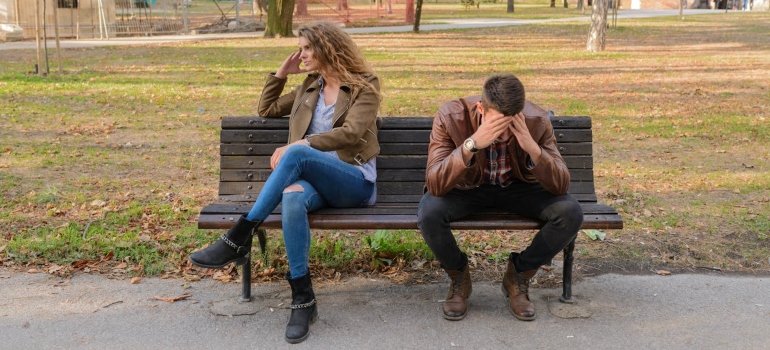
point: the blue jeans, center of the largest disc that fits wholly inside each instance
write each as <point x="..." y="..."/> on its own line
<point x="325" y="181"/>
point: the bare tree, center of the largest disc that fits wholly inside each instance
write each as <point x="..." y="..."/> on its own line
<point x="417" y="15"/>
<point x="598" y="31"/>
<point x="510" y="6"/>
<point x="280" y="14"/>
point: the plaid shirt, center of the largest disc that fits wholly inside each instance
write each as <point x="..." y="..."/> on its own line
<point x="498" y="168"/>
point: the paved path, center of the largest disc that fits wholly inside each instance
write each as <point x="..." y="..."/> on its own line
<point x="446" y="24"/>
<point x="38" y="311"/>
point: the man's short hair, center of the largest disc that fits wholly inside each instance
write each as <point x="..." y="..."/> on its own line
<point x="504" y="93"/>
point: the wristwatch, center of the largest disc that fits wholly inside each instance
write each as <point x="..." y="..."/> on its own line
<point x="470" y="145"/>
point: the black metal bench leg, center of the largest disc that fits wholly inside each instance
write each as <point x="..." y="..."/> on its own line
<point x="569" y="257"/>
<point x="246" y="281"/>
<point x="246" y="268"/>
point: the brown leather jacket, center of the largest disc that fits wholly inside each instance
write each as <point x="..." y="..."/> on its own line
<point x="458" y="119"/>
<point x="354" y="130"/>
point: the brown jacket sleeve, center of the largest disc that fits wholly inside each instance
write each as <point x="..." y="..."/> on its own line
<point x="550" y="171"/>
<point x="272" y="104"/>
<point x="445" y="160"/>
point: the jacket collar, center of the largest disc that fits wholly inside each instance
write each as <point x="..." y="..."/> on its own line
<point x="318" y="82"/>
<point x="474" y="115"/>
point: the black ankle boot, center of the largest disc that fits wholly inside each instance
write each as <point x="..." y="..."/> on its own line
<point x="303" y="309"/>
<point x="232" y="247"/>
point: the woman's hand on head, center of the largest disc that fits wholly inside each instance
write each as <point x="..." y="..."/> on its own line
<point x="290" y="66"/>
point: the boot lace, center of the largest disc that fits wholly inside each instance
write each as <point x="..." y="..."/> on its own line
<point x="457" y="285"/>
<point x="522" y="284"/>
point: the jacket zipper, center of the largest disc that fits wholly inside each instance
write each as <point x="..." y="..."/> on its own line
<point x="347" y="106"/>
<point x="294" y="113"/>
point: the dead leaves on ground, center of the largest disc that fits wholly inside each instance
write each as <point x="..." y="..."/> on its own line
<point x="174" y="299"/>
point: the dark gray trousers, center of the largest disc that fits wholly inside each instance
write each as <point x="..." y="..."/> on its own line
<point x="562" y="215"/>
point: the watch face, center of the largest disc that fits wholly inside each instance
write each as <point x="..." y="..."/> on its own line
<point x="470" y="145"/>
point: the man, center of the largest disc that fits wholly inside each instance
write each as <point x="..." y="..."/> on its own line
<point x="496" y="151"/>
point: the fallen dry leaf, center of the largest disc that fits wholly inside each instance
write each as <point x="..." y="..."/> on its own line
<point x="62" y="283"/>
<point x="192" y="278"/>
<point x="173" y="299"/>
<point x="80" y="264"/>
<point x="135" y="280"/>
<point x="663" y="272"/>
<point x="222" y="277"/>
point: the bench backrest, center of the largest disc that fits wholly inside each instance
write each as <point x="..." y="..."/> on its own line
<point x="248" y="142"/>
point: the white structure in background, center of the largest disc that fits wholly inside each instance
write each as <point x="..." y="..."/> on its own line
<point x="10" y="32"/>
<point x="76" y="18"/>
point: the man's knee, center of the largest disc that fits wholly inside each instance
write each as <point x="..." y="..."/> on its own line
<point x="429" y="210"/>
<point x="567" y="214"/>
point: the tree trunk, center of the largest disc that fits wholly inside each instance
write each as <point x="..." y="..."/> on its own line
<point x="279" y="17"/>
<point x="417" y="14"/>
<point x="409" y="11"/>
<point x="566" y="5"/>
<point x="302" y="8"/>
<point x="580" y="6"/>
<point x="342" y="5"/>
<point x="598" y="32"/>
<point x="510" y="6"/>
<point x="682" y="4"/>
<point x="553" y="3"/>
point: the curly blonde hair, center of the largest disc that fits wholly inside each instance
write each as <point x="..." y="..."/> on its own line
<point x="338" y="56"/>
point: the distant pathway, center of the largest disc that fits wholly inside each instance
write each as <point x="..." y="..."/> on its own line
<point x="445" y="25"/>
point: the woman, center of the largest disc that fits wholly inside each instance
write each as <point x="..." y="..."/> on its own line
<point x="332" y="145"/>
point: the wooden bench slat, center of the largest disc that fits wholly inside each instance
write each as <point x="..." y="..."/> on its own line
<point x="409" y="222"/>
<point x="238" y="208"/>
<point x="384" y="187"/>
<point x="383" y="175"/>
<point x="247" y="149"/>
<point x="411" y="198"/>
<point x="388" y="136"/>
<point x="383" y="162"/>
<point x="388" y="122"/>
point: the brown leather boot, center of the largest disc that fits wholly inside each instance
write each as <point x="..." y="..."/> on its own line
<point x="456" y="305"/>
<point x="516" y="289"/>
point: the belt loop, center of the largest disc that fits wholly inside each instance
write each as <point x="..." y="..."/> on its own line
<point x="359" y="159"/>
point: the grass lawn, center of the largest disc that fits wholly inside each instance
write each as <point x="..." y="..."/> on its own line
<point x="105" y="167"/>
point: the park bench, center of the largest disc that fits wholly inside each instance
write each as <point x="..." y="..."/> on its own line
<point x="248" y="142"/>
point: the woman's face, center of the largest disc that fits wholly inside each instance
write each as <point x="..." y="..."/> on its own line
<point x="306" y="55"/>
